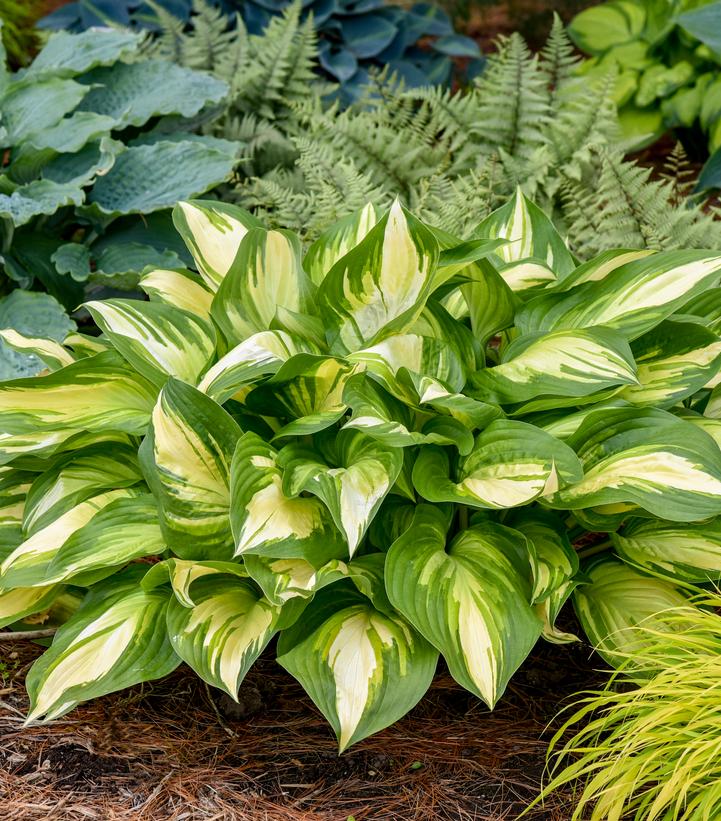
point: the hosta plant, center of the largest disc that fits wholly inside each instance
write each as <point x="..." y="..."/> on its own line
<point x="382" y="450"/>
<point x="97" y="148"/>
<point x="667" y="56"/>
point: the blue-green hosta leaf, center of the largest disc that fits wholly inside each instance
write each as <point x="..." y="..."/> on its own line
<point x="338" y="240"/>
<point x="50" y="353"/>
<point x="307" y="389"/>
<point x="147" y="178"/>
<point x="268" y="523"/>
<point x="555" y="564"/>
<point x="180" y="288"/>
<point x="123" y="530"/>
<point x="266" y="274"/>
<point x="677" y="551"/>
<point x="30" y="106"/>
<point x="633" y="298"/>
<point x="363" y="668"/>
<point x="66" y="54"/>
<point x="157" y="340"/>
<point x="213" y="232"/>
<point x="353" y="488"/>
<point x="617" y="599"/>
<point x="511" y="464"/>
<point x="260" y="355"/>
<point x="132" y="93"/>
<point x="71" y="478"/>
<point x="110" y="643"/>
<point x="472" y="600"/>
<point x="25" y="601"/>
<point x="95" y="159"/>
<point x="534" y="253"/>
<point x="564" y="363"/>
<point x="27" y="565"/>
<point x="675" y="360"/>
<point x="649" y="458"/>
<point x="186" y="459"/>
<point x="381" y="285"/>
<point x="95" y="394"/>
<point x="224" y="632"/>
<point x="182" y="573"/>
<point x="285" y="579"/>
<point x="67" y="136"/>
<point x="598" y="268"/>
<point x="39" y="197"/>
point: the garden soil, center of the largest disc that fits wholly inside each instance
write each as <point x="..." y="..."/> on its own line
<point x="173" y="751"/>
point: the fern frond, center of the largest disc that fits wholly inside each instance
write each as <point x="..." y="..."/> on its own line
<point x="558" y="61"/>
<point x="677" y="170"/>
<point x="513" y="110"/>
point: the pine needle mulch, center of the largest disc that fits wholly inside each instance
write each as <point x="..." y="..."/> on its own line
<point x="166" y="752"/>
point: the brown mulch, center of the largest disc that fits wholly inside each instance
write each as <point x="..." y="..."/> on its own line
<point x="162" y="752"/>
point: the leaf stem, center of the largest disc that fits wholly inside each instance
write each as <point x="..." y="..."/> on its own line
<point x="593" y="549"/>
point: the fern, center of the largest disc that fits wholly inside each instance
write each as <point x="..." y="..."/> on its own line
<point x="451" y="157"/>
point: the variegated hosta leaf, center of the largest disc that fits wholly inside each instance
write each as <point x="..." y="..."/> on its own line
<point x="382" y="417"/>
<point x="84" y="345"/>
<point x="338" y="240"/>
<point x="677" y="551"/>
<point x="14" y="487"/>
<point x="616" y="600"/>
<point x="472" y="601"/>
<point x="123" y="530"/>
<point x="675" y="360"/>
<point x="285" y="579"/>
<point x="564" y="363"/>
<point x="362" y="668"/>
<point x="265" y="521"/>
<point x="258" y="356"/>
<point x="19" y="602"/>
<point x="555" y="564"/>
<point x="598" y="268"/>
<point x="71" y="478"/>
<point x="186" y="460"/>
<point x="267" y="274"/>
<point x="471" y="413"/>
<point x="353" y="488"/>
<point x="96" y="394"/>
<point x="649" y="458"/>
<point x="491" y="303"/>
<point x="180" y="288"/>
<point x="511" y="464"/>
<point x="213" y="232"/>
<point x="307" y="389"/>
<point x="224" y="632"/>
<point x="435" y="321"/>
<point x="112" y="642"/>
<point x="381" y="286"/>
<point x="44" y="444"/>
<point x="157" y="340"/>
<point x="27" y="565"/>
<point x="51" y="353"/>
<point x="423" y="355"/>
<point x="535" y="253"/>
<point x="181" y="574"/>
<point x="633" y="298"/>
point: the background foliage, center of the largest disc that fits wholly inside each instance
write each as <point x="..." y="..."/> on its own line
<point x="418" y="43"/>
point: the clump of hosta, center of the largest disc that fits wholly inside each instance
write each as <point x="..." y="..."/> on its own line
<point x="381" y="450"/>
